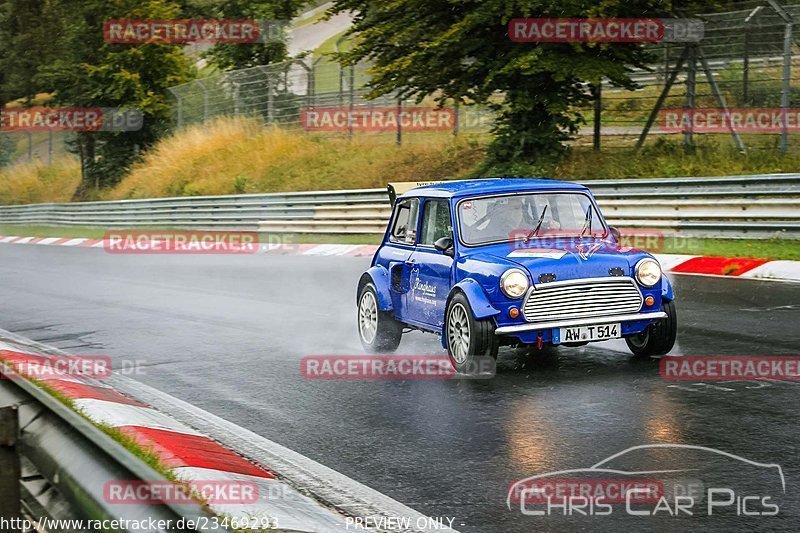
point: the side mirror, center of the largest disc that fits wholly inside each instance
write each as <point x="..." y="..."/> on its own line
<point x="445" y="245"/>
<point x="615" y="233"/>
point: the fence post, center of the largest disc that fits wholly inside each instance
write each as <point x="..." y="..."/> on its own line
<point x="399" y="139"/>
<point x="746" y="58"/>
<point x="691" y="86"/>
<point x="270" y="100"/>
<point x="341" y="86"/>
<point x="352" y="100"/>
<point x="598" y="110"/>
<point x="205" y="99"/>
<point x="179" y="98"/>
<point x="456" y="113"/>
<point x="746" y="68"/>
<point x="30" y="146"/>
<point x="9" y="465"/>
<point x="311" y="83"/>
<point x="786" y="89"/>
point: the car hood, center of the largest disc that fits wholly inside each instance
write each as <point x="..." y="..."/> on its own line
<point x="584" y="258"/>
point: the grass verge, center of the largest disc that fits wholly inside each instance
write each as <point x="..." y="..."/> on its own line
<point x="51" y="231"/>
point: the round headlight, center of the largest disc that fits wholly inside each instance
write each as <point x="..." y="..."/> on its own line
<point x="514" y="283"/>
<point x="648" y="272"/>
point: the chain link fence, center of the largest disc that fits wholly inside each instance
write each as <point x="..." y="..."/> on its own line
<point x="32" y="146"/>
<point x="283" y="93"/>
<point x="745" y="61"/>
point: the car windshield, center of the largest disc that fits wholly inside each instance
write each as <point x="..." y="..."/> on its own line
<point x="527" y="216"/>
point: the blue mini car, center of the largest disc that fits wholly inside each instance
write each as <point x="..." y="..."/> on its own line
<point x="507" y="261"/>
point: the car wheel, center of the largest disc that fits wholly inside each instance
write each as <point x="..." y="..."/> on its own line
<point x="658" y="338"/>
<point x="378" y="330"/>
<point x="467" y="337"/>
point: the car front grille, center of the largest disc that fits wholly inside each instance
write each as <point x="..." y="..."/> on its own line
<point x="582" y="298"/>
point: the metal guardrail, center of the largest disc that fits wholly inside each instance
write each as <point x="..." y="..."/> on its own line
<point x="734" y="206"/>
<point x="55" y="464"/>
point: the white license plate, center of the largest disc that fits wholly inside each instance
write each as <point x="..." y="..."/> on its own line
<point x="590" y="333"/>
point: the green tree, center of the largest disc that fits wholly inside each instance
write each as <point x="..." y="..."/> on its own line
<point x="454" y="49"/>
<point x="89" y="72"/>
<point x="244" y="55"/>
<point x="26" y="30"/>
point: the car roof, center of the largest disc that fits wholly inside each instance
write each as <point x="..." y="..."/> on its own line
<point x="473" y="187"/>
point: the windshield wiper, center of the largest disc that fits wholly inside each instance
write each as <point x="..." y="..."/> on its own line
<point x="538" y="224"/>
<point x="587" y="224"/>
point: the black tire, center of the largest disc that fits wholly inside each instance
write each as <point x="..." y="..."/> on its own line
<point x="659" y="338"/>
<point x="387" y="331"/>
<point x="480" y="337"/>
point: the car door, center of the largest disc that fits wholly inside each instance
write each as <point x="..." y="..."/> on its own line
<point x="397" y="250"/>
<point x="431" y="272"/>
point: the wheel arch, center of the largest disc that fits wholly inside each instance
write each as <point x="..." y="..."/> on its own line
<point x="379" y="277"/>
<point x="666" y="288"/>
<point x="476" y="296"/>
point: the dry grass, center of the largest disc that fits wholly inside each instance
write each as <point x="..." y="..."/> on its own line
<point x="31" y="183"/>
<point x="232" y="156"/>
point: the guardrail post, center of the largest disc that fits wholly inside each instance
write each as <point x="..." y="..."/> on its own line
<point x="9" y="465"/>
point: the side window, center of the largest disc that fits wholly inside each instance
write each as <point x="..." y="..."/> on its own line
<point x="404" y="227"/>
<point x="436" y="222"/>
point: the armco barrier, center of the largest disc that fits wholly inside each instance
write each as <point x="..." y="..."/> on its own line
<point x="63" y="462"/>
<point x="734" y="206"/>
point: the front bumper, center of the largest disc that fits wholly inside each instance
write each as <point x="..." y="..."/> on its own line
<point x="591" y="321"/>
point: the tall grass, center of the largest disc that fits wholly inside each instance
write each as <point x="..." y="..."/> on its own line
<point x="232" y="156"/>
<point x="713" y="155"/>
<point x="31" y="183"/>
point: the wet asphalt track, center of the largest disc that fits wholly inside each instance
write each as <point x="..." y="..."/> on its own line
<point x="227" y="333"/>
